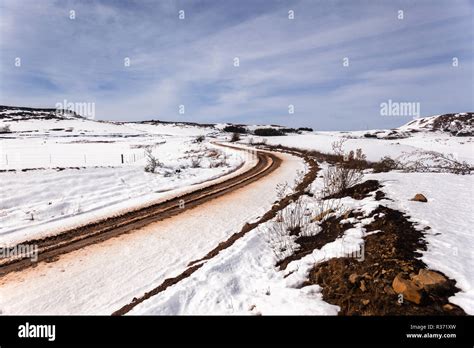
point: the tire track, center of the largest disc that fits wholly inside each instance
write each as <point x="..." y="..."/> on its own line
<point x="50" y="248"/>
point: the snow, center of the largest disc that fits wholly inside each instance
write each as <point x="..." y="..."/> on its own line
<point x="450" y="216"/>
<point x="56" y="180"/>
<point x="40" y="203"/>
<point x="243" y="279"/>
<point x="449" y="211"/>
<point x="461" y="123"/>
<point x="461" y="147"/>
<point x="101" y="278"/>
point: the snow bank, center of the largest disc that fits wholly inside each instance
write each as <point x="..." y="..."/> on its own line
<point x="449" y="213"/>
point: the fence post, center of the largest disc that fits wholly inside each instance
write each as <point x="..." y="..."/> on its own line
<point x="6" y="158"/>
<point x="121" y="155"/>
<point x="85" y="160"/>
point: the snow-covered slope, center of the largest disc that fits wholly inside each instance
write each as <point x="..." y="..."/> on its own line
<point x="60" y="170"/>
<point x="461" y="124"/>
<point x="19" y="113"/>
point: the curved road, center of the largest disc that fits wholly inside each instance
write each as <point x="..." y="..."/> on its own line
<point x="103" y="277"/>
<point x="51" y="247"/>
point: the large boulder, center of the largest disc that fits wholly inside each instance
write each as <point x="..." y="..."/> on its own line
<point x="430" y="281"/>
<point x="410" y="291"/>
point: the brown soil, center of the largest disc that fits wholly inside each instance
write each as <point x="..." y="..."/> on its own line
<point x="332" y="229"/>
<point x="392" y="251"/>
<point x="389" y="252"/>
<point x="359" y="191"/>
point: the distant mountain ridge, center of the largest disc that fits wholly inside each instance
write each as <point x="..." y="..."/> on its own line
<point x="19" y="113"/>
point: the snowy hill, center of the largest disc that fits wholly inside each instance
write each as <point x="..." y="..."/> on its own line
<point x="461" y="124"/>
<point x="15" y="113"/>
<point x="29" y="122"/>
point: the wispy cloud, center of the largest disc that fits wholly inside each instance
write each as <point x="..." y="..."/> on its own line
<point x="190" y="62"/>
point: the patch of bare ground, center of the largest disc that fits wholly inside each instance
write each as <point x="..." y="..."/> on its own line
<point x="332" y="228"/>
<point x="367" y="287"/>
<point x="391" y="260"/>
<point x="359" y="191"/>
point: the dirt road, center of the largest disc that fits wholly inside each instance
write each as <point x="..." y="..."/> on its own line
<point x="50" y="248"/>
<point x="103" y="277"/>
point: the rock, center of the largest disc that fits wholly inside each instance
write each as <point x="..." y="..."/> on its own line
<point x="353" y="278"/>
<point x="362" y="286"/>
<point x="448" y="307"/>
<point x="430" y="281"/>
<point x="419" y="198"/>
<point x="322" y="215"/>
<point x="410" y="291"/>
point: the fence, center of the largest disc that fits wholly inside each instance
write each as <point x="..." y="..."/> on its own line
<point x="26" y="160"/>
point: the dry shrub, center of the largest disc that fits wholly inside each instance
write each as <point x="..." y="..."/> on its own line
<point x="423" y="161"/>
<point x="235" y="137"/>
<point x="152" y="161"/>
<point x="348" y="172"/>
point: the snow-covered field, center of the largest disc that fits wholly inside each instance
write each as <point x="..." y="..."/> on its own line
<point x="54" y="180"/>
<point x="244" y="280"/>
<point x="449" y="214"/>
<point x="462" y="148"/>
<point x="101" y="278"/>
<point x="241" y="279"/>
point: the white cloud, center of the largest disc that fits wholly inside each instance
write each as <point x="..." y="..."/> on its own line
<point x="282" y="62"/>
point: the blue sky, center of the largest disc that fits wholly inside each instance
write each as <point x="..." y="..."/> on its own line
<point x="283" y="62"/>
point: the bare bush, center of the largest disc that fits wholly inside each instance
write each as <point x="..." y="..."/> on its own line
<point x="348" y="172"/>
<point x="423" y="161"/>
<point x="220" y="162"/>
<point x="5" y="129"/>
<point x="326" y="207"/>
<point x="235" y="137"/>
<point x="339" y="178"/>
<point x="294" y="217"/>
<point x="280" y="240"/>
<point x="292" y="221"/>
<point x="386" y="164"/>
<point x="195" y="162"/>
<point x="288" y="223"/>
<point x="152" y="161"/>
<point x="199" y="139"/>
